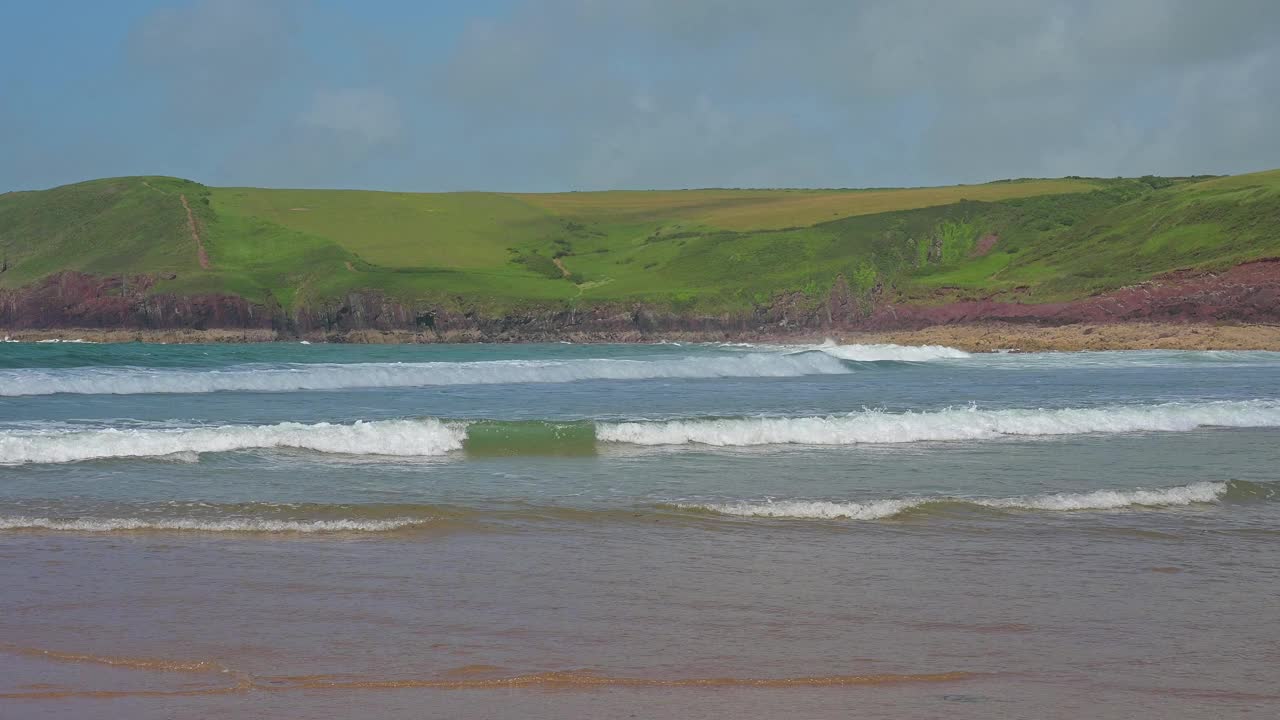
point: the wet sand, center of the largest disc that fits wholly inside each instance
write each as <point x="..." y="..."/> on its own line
<point x="577" y="621"/>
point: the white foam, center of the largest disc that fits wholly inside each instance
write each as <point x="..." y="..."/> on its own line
<point x="869" y="352"/>
<point x="874" y="426"/>
<point x="880" y="352"/>
<point x="430" y="437"/>
<point x="240" y="525"/>
<point x="385" y="437"/>
<point x="262" y="378"/>
<point x="817" y="509"/>
<point x="1201" y="492"/>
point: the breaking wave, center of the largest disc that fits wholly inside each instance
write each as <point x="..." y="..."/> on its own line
<point x="312" y="519"/>
<point x="238" y="525"/>
<point x="875" y="426"/>
<point x="244" y="517"/>
<point x="386" y="437"/>
<point x="870" y="352"/>
<point x="330" y="376"/>
<point x="433" y="437"/>
<point x="887" y="352"/>
<point x="1195" y="493"/>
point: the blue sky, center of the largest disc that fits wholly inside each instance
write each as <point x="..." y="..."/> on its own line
<point x="589" y="94"/>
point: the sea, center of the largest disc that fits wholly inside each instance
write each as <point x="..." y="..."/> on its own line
<point x="297" y="530"/>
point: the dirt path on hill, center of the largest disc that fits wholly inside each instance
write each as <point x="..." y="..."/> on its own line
<point x="195" y="235"/>
<point x="563" y="270"/>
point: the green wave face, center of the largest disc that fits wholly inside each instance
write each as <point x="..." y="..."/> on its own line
<point x="491" y="438"/>
<point x="1244" y="491"/>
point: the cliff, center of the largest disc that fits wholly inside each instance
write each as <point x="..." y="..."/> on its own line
<point x="169" y="254"/>
<point x="1245" y="294"/>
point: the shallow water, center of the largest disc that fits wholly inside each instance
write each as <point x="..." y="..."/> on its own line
<point x="651" y="531"/>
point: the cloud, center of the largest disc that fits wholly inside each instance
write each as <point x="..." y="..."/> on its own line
<point x="215" y="60"/>
<point x="674" y="93"/>
<point x="586" y="94"/>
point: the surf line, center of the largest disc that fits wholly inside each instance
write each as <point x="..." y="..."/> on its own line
<point x="424" y="437"/>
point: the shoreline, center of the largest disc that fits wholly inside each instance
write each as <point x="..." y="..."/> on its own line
<point x="978" y="337"/>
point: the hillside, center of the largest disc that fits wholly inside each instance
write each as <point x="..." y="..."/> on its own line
<point x="310" y="258"/>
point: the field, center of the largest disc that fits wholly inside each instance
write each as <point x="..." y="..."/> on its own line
<point x="747" y="210"/>
<point x="715" y="250"/>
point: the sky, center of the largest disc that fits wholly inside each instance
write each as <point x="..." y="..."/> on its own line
<point x="554" y="95"/>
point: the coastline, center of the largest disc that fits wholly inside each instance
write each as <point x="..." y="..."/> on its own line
<point x="993" y="337"/>
<point x="976" y="337"/>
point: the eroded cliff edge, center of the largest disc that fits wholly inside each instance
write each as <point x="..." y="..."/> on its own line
<point x="1245" y="294"/>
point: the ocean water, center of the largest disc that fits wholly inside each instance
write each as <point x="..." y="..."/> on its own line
<point x="547" y="531"/>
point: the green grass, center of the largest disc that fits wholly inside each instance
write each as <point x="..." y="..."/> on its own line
<point x="776" y="209"/>
<point x="454" y="230"/>
<point x="121" y="225"/>
<point x="1207" y="225"/>
<point x="975" y="275"/>
<point x="702" y="250"/>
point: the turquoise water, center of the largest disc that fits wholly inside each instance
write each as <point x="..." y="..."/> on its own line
<point x="401" y="516"/>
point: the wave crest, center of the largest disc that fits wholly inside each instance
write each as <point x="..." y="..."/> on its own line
<point x="293" y="377"/>
<point x="230" y="525"/>
<point x="433" y="437"/>
<point x="1195" y="493"/>
<point x="425" y="437"/>
<point x="875" y="426"/>
<point x="882" y="352"/>
<point x="863" y="352"/>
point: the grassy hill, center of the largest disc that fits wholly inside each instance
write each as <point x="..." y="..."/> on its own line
<point x="711" y="250"/>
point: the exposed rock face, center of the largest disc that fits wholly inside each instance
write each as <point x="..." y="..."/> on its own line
<point x="984" y="245"/>
<point x="840" y="303"/>
<point x="72" y="299"/>
<point x="1248" y="293"/>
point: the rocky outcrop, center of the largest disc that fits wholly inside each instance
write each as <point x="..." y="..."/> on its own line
<point x="1248" y="293"/>
<point x="72" y="299"/>
<point x="840" y="303"/>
